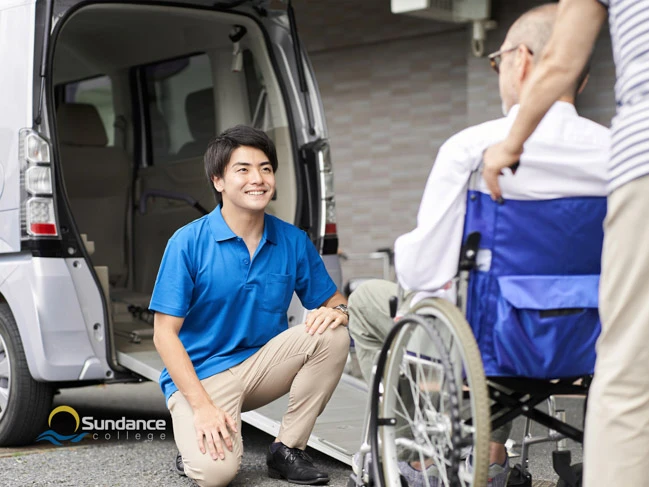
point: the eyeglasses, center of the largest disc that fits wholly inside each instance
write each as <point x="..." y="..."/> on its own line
<point x="496" y="58"/>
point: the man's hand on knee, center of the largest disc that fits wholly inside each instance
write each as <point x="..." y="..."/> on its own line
<point x="322" y="318"/>
<point x="213" y="427"/>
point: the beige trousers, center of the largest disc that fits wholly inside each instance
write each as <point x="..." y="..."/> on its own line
<point x="616" y="450"/>
<point x="308" y="367"/>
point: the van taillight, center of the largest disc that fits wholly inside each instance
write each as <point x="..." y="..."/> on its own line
<point x="329" y="230"/>
<point x="38" y="214"/>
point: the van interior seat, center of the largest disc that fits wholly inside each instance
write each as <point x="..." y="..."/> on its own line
<point x="199" y="110"/>
<point x="98" y="182"/>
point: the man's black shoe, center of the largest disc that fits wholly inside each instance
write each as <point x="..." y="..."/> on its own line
<point x="179" y="466"/>
<point x="295" y="466"/>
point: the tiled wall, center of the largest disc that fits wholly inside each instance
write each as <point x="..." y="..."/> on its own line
<point x="389" y="107"/>
<point x="394" y="88"/>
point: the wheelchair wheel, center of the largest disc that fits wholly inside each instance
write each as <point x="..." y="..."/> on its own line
<point x="429" y="405"/>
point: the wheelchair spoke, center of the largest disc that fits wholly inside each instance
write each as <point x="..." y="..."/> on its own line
<point x="414" y="390"/>
<point x="441" y="388"/>
<point x="426" y="379"/>
<point x="426" y="419"/>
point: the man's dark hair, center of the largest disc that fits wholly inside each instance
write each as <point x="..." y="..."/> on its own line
<point x="220" y="148"/>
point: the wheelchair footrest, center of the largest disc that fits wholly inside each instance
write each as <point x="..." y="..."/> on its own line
<point x="561" y="463"/>
<point x="519" y="478"/>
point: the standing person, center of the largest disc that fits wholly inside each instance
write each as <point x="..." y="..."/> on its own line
<point x="565" y="157"/>
<point x="618" y="403"/>
<point x="221" y="300"/>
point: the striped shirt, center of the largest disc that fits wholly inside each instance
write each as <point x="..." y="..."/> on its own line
<point x="629" y="27"/>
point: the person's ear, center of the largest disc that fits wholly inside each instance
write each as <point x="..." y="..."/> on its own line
<point x="583" y="84"/>
<point x="524" y="63"/>
<point x="218" y="183"/>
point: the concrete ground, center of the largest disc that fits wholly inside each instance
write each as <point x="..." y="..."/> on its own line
<point x="131" y="462"/>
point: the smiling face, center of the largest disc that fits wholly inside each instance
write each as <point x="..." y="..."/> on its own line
<point x="248" y="182"/>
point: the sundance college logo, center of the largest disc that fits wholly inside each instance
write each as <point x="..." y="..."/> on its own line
<point x="102" y="429"/>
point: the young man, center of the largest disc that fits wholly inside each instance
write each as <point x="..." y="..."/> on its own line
<point x="221" y="301"/>
<point x="566" y="156"/>
<point x="619" y="395"/>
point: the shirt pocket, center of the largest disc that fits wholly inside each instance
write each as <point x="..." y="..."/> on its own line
<point x="276" y="293"/>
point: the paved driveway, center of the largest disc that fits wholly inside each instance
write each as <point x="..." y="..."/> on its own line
<point x="139" y="462"/>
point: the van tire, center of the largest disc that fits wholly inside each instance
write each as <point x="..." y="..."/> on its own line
<point x="29" y="401"/>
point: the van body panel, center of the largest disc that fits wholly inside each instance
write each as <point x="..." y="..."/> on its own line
<point x="16" y="288"/>
<point x="41" y="296"/>
<point x="63" y="329"/>
<point x="91" y="306"/>
<point x="10" y="4"/>
<point x="16" y="52"/>
<point x="9" y="230"/>
<point x="332" y="263"/>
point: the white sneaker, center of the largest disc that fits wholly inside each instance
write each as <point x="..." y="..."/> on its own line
<point x="417" y="478"/>
<point x="498" y="475"/>
<point x="414" y="477"/>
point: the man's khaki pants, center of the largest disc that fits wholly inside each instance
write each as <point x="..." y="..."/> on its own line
<point x="308" y="367"/>
<point x="616" y="450"/>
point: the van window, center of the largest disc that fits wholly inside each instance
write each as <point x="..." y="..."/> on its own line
<point x="98" y="92"/>
<point x="180" y="107"/>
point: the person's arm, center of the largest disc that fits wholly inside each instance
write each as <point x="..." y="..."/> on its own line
<point x="564" y="58"/>
<point x="427" y="257"/>
<point x="326" y="316"/>
<point x="210" y="422"/>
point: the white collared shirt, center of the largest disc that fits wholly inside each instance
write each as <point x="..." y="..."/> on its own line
<point x="566" y="156"/>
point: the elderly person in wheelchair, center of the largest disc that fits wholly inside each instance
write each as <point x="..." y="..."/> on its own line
<point x="500" y="307"/>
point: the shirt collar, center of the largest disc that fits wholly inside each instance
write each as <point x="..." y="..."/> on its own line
<point x="558" y="107"/>
<point x="221" y="231"/>
<point x="270" y="230"/>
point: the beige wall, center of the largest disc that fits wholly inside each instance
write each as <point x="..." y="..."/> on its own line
<point x="394" y="88"/>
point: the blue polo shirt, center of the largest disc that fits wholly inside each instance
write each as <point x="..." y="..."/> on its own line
<point x="233" y="305"/>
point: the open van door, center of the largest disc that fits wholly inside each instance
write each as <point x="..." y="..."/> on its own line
<point x="132" y="108"/>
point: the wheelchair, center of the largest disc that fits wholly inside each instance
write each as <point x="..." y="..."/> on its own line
<point x="523" y="331"/>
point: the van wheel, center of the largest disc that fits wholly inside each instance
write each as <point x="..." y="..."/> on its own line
<point x="24" y="402"/>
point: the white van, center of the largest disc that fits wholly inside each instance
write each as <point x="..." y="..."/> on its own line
<point x="107" y="108"/>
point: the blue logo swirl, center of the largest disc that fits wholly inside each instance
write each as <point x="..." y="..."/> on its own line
<point x="56" y="439"/>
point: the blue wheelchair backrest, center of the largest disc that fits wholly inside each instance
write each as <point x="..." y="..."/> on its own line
<point x="532" y="301"/>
